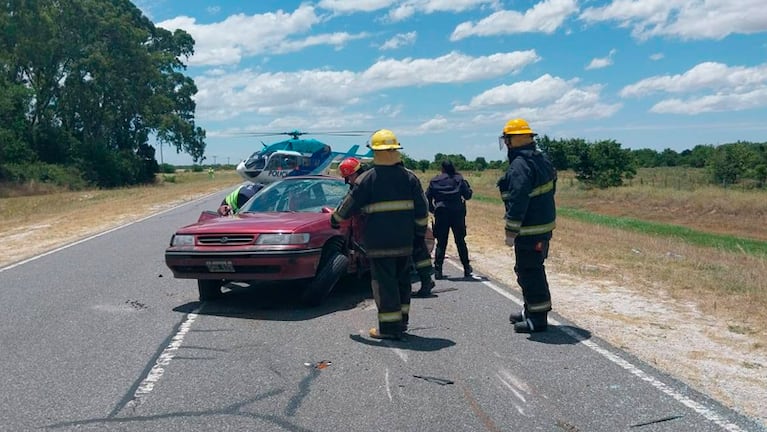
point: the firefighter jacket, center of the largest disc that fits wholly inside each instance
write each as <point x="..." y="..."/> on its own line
<point x="527" y="190"/>
<point x="448" y="191"/>
<point x="395" y="209"/>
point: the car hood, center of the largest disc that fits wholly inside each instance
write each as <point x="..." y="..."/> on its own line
<point x="256" y="222"/>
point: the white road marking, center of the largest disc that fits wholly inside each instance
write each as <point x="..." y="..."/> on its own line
<point x="66" y="246"/>
<point x="684" y="400"/>
<point x="163" y="360"/>
<point x="388" y="388"/>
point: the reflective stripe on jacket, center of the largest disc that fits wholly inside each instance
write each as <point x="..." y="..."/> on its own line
<point x="527" y="190"/>
<point x="393" y="201"/>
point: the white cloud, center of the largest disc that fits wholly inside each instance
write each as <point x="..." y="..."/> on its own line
<point x="437" y="123"/>
<point x="222" y="96"/>
<point x="450" y="68"/>
<point x="704" y="76"/>
<point x="656" y="56"/>
<point x="686" y="19"/>
<point x="240" y="36"/>
<point x="603" y="62"/>
<point x="545" y="17"/>
<point x="408" y="8"/>
<point x="547" y="100"/>
<point x="213" y="9"/>
<point x="713" y="87"/>
<point x="756" y="98"/>
<point x="352" y="6"/>
<point x="400" y="40"/>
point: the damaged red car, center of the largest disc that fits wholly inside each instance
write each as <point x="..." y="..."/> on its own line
<point x="283" y="233"/>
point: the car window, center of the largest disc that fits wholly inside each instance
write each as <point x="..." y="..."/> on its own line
<point x="302" y="195"/>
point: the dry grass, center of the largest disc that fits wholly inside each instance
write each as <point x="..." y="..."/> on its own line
<point x="35" y="223"/>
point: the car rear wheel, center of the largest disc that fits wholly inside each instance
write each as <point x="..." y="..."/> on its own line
<point x="326" y="279"/>
<point x="209" y="289"/>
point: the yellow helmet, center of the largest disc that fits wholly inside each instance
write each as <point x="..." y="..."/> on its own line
<point x="384" y="139"/>
<point x="517" y="126"/>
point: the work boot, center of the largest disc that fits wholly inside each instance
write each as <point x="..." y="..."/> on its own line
<point x="438" y="273"/>
<point x="374" y="333"/>
<point x="516" y="317"/>
<point x="530" y="326"/>
<point x="468" y="272"/>
<point x="426" y="286"/>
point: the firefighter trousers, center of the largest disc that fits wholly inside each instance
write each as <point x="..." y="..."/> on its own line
<point x="445" y="220"/>
<point x="391" y="291"/>
<point x="531" y="277"/>
<point x="422" y="259"/>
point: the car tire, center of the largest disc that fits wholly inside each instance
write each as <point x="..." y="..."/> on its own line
<point x="326" y="279"/>
<point x="209" y="289"/>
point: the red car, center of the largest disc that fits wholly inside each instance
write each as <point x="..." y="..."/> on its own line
<point x="283" y="233"/>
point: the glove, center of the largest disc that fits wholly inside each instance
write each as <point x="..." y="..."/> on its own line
<point x="224" y="210"/>
<point x="510" y="236"/>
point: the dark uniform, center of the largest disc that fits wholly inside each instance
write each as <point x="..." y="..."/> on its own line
<point x="392" y="199"/>
<point x="527" y="189"/>
<point x="241" y="195"/>
<point x="447" y="195"/>
<point x="421" y="256"/>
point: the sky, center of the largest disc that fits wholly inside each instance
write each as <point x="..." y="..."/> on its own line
<point x="446" y="75"/>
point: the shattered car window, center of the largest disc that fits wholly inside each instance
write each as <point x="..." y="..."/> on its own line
<point x="300" y="195"/>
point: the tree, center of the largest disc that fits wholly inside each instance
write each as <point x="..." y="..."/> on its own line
<point x="103" y="79"/>
<point x="603" y="164"/>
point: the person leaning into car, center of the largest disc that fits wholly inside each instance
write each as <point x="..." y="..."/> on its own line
<point x="392" y="199"/>
<point x="232" y="202"/>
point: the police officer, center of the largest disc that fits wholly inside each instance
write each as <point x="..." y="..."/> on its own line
<point x="392" y="199"/>
<point x="232" y="202"/>
<point x="447" y="195"/>
<point x="527" y="189"/>
<point x="350" y="168"/>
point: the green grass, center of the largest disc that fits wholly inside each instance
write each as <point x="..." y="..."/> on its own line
<point x="699" y="238"/>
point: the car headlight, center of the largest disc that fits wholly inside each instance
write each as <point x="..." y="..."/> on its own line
<point x="283" y="239"/>
<point x="182" y="240"/>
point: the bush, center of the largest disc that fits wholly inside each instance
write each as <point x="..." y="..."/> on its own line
<point x="59" y="175"/>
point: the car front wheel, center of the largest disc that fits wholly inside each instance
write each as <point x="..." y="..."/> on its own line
<point x="326" y="279"/>
<point x="209" y="289"/>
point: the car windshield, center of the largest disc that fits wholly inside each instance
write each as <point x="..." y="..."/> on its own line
<point x="305" y="195"/>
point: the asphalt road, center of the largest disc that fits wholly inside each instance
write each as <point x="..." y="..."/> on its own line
<point x="99" y="336"/>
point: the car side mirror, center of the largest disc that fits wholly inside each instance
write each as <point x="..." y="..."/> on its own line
<point x="327" y="210"/>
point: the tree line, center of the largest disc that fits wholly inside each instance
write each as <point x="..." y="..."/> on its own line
<point x="84" y="85"/>
<point x="605" y="164"/>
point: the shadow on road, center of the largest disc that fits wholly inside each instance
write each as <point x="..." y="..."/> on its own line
<point x="411" y="343"/>
<point x="274" y="301"/>
<point x="561" y="335"/>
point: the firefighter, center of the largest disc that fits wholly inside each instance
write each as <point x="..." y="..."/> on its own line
<point x="232" y="202"/>
<point x="350" y="168"/>
<point x="527" y="189"/>
<point x="447" y="195"/>
<point x="392" y="199"/>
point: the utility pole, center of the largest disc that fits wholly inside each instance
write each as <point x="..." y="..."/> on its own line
<point x="214" y="159"/>
<point x="227" y="160"/>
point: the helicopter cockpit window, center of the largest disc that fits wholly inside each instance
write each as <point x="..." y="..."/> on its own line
<point x="256" y="161"/>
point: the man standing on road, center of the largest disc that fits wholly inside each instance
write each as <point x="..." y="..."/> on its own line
<point x="232" y="202"/>
<point x="447" y="195"/>
<point x="392" y="199"/>
<point x="527" y="190"/>
<point x="351" y="168"/>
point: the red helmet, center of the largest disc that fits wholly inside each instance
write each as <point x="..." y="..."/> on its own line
<point x="349" y="166"/>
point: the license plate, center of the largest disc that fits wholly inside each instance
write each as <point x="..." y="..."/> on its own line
<point x="220" y="266"/>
